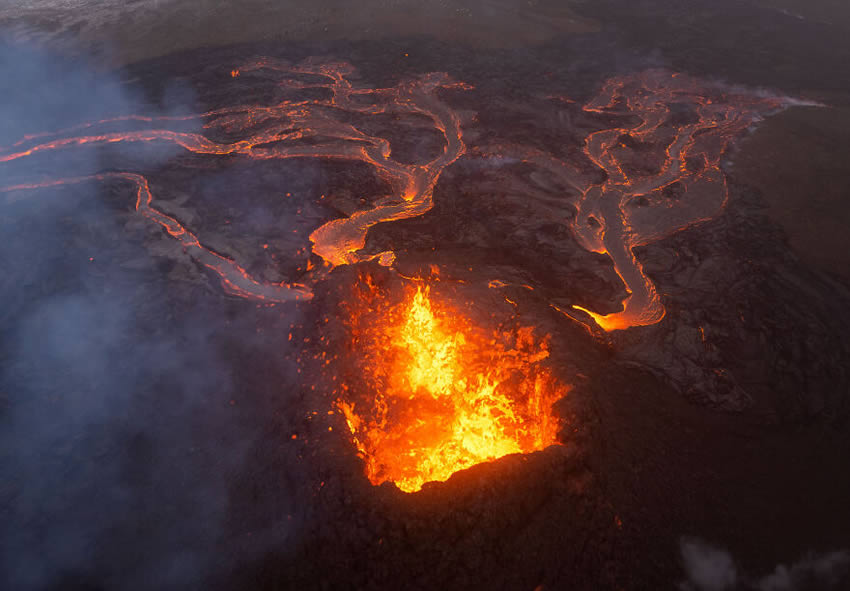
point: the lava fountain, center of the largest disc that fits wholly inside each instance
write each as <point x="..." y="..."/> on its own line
<point x="441" y="394"/>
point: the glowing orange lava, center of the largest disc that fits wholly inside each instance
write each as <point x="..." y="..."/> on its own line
<point x="435" y="393"/>
<point x="663" y="173"/>
<point x="445" y="394"/>
<point x="662" y="164"/>
<point x="272" y="133"/>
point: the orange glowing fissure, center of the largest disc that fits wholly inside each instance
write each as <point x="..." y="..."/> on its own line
<point x="447" y="395"/>
<point x="444" y="395"/>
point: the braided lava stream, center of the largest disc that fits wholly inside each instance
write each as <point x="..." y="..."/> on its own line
<point x="339" y="241"/>
<point x="690" y="128"/>
<point x="446" y="394"/>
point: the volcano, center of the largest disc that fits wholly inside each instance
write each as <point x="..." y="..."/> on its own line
<point x="409" y="313"/>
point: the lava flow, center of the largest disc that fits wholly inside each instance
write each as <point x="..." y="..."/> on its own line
<point x="441" y="394"/>
<point x="279" y="132"/>
<point x="435" y="393"/>
<point x="662" y="164"/>
<point x="663" y="172"/>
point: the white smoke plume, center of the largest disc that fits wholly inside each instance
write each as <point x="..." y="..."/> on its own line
<point x="709" y="568"/>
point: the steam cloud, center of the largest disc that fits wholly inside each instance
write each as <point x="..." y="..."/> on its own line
<point x="118" y="428"/>
<point x="709" y="568"/>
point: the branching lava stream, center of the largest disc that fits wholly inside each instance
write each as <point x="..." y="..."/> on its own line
<point x="273" y="133"/>
<point x="683" y="129"/>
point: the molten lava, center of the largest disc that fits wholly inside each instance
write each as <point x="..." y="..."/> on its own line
<point x="661" y="143"/>
<point x="273" y="133"/>
<point x="663" y="172"/>
<point x="661" y="161"/>
<point x="434" y="392"/>
<point x="441" y="394"/>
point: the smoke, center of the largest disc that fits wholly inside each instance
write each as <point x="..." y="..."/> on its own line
<point x="87" y="456"/>
<point x="123" y="413"/>
<point x="709" y="568"/>
<point x="45" y="92"/>
<point x="813" y="571"/>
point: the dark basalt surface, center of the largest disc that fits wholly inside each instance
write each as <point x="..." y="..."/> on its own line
<point x="728" y="420"/>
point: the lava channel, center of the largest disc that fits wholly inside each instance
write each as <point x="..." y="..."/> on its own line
<point x="273" y="133"/>
<point x="663" y="168"/>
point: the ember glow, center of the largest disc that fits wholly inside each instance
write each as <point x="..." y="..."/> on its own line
<point x="441" y="393"/>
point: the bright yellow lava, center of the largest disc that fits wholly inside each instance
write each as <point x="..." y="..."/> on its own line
<point x="447" y="395"/>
